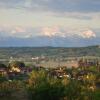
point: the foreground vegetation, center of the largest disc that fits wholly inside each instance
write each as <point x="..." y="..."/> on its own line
<point x="41" y="85"/>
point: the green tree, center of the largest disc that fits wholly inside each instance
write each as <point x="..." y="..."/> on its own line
<point x="41" y="87"/>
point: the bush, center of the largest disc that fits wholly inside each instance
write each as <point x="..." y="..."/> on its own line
<point x="8" y="90"/>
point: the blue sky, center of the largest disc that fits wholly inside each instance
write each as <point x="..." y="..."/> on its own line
<point x="27" y="18"/>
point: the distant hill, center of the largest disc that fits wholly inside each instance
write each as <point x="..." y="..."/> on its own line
<point x="28" y="52"/>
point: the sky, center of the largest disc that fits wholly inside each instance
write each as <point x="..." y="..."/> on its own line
<point x="30" y="18"/>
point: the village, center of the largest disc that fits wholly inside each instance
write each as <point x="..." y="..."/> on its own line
<point x="72" y="69"/>
<point x="75" y="73"/>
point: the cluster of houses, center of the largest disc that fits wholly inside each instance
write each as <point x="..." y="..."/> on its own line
<point x="85" y="64"/>
<point x="80" y="75"/>
<point x="14" y="72"/>
<point x="57" y="72"/>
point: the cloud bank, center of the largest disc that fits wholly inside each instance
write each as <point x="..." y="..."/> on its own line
<point x="54" y="5"/>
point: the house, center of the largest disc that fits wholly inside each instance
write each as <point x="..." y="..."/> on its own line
<point x="60" y="73"/>
<point x="25" y="70"/>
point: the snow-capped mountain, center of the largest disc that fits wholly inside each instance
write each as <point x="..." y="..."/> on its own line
<point x="56" y="40"/>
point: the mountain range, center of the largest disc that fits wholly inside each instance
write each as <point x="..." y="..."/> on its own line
<point x="54" y="41"/>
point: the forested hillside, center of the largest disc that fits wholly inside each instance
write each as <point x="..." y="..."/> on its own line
<point x="49" y="51"/>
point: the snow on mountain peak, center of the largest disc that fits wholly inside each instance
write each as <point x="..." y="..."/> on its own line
<point x="49" y="31"/>
<point x="56" y="31"/>
<point x="88" y="34"/>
